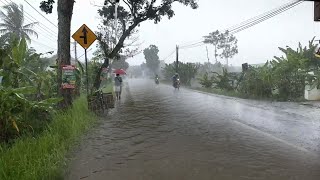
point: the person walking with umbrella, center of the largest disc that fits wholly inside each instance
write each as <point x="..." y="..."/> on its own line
<point x="118" y="86"/>
<point x="118" y="82"/>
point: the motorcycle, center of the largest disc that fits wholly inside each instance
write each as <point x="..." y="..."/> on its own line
<point x="176" y="84"/>
<point x="157" y="80"/>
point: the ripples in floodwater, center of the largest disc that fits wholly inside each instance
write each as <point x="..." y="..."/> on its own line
<point x="157" y="133"/>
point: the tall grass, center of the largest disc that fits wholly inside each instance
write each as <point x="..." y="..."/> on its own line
<point x="44" y="157"/>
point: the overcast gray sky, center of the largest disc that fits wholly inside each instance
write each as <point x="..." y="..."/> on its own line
<point x="256" y="45"/>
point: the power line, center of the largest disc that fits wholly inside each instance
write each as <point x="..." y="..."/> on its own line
<point x="46" y="32"/>
<point x="40" y="25"/>
<point x="41" y="14"/>
<point x="49" y="30"/>
<point x="194" y="46"/>
<point x="264" y="18"/>
<point x="186" y="43"/>
<point x="43" y="50"/>
<point x="191" y="45"/>
<point x="259" y="16"/>
<point x="37" y="42"/>
<point x="172" y="52"/>
<point x="250" y="22"/>
<point x="84" y="53"/>
<point x="28" y="17"/>
<point x="253" y="21"/>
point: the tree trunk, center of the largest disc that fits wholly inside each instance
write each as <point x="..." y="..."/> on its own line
<point x="65" y="9"/>
<point x="97" y="81"/>
<point x="215" y="53"/>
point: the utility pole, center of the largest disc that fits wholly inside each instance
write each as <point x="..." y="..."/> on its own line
<point x="177" y="58"/>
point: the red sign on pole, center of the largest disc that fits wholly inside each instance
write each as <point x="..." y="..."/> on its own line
<point x="68" y="77"/>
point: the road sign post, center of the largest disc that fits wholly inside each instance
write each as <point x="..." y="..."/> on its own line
<point x="87" y="76"/>
<point x="85" y="37"/>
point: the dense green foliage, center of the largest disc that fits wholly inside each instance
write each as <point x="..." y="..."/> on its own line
<point x="34" y="135"/>
<point x="20" y="115"/>
<point x="27" y="87"/>
<point x="27" y="91"/>
<point x="186" y="71"/>
<point x="206" y="81"/>
<point x="152" y="58"/>
<point x="43" y="157"/>
<point x="283" y="78"/>
<point x="257" y="82"/>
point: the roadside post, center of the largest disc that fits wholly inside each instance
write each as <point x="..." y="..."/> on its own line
<point x="85" y="37"/>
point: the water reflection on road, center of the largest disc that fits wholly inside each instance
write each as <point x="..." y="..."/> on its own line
<point x="157" y="133"/>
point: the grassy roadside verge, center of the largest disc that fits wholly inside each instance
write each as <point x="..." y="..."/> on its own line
<point x="210" y="90"/>
<point x="222" y="92"/>
<point x="43" y="157"/>
<point x="244" y="96"/>
<point x="226" y="93"/>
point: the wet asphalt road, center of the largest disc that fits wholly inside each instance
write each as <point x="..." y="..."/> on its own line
<point x="156" y="133"/>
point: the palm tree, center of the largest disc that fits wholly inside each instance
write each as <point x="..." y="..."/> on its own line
<point x="13" y="23"/>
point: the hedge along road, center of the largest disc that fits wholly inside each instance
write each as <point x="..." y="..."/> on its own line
<point x="157" y="133"/>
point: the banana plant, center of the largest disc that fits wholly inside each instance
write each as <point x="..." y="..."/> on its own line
<point x="18" y="106"/>
<point x="11" y="63"/>
<point x="15" y="107"/>
<point x="224" y="81"/>
<point x="206" y="81"/>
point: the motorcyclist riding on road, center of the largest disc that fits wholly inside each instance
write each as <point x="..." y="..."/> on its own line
<point x="175" y="80"/>
<point x="157" y="79"/>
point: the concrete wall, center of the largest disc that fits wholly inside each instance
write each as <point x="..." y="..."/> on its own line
<point x="312" y="94"/>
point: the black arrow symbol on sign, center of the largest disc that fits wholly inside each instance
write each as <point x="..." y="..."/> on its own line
<point x="84" y="37"/>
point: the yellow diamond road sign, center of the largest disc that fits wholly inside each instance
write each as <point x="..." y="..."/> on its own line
<point x="84" y="36"/>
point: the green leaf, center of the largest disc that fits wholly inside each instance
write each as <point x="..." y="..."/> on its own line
<point x="14" y="124"/>
<point x="51" y="101"/>
<point x="24" y="90"/>
<point x="29" y="71"/>
<point x="19" y="52"/>
<point x="80" y="66"/>
<point x="54" y="66"/>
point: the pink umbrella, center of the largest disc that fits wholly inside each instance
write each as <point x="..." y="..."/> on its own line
<point x="119" y="71"/>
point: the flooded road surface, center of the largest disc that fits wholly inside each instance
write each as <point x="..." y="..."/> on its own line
<point x="158" y="134"/>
